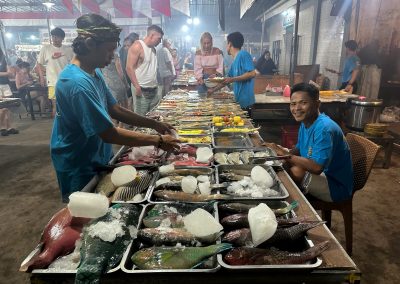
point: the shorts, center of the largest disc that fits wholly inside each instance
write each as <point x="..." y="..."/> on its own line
<point x="317" y="186"/>
<point x="5" y="91"/>
<point x="52" y="92"/>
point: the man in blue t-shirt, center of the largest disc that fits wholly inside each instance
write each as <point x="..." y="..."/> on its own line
<point x="351" y="68"/>
<point x="321" y="162"/>
<point x="241" y="73"/>
<point x="83" y="131"/>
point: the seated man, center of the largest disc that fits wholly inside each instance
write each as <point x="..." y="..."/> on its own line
<point x="320" y="163"/>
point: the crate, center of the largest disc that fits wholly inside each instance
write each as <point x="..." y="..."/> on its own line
<point x="289" y="135"/>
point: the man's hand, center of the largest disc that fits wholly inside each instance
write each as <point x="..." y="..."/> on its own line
<point x="280" y="151"/>
<point x="349" y="89"/>
<point x="138" y="91"/>
<point x="170" y="143"/>
<point x="228" y="80"/>
<point x="163" y="128"/>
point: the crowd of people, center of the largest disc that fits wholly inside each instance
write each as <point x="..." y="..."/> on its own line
<point x="95" y="91"/>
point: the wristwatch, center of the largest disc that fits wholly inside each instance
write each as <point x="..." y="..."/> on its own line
<point x="160" y="141"/>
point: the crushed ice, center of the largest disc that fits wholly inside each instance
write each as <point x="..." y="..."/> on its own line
<point x="107" y="231"/>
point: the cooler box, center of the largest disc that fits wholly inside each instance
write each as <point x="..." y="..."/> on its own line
<point x="289" y="135"/>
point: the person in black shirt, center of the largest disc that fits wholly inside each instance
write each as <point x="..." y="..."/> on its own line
<point x="265" y="65"/>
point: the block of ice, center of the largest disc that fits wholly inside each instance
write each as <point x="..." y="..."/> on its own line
<point x="88" y="205"/>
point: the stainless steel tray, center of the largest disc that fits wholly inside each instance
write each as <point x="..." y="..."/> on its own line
<point x="62" y="271"/>
<point x="255" y="150"/>
<point x="231" y="140"/>
<point x="124" y="149"/>
<point x="306" y="266"/>
<point x="127" y="265"/>
<point x="196" y="146"/>
<point x="273" y="204"/>
<point x="207" y="171"/>
<point x="278" y="185"/>
<point x="91" y="187"/>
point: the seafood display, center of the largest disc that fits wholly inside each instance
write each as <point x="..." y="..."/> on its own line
<point x="250" y="181"/>
<point x="175" y="257"/>
<point x="188" y="155"/>
<point x="104" y="241"/>
<point x="231" y="140"/>
<point x="57" y="240"/>
<point x="273" y="256"/>
<point x="145" y="155"/>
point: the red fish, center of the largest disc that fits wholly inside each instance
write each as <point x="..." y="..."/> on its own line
<point x="58" y="239"/>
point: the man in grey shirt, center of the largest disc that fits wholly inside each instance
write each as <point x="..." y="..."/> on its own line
<point x="166" y="68"/>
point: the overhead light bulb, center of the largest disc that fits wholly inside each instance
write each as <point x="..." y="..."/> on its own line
<point x="48" y="4"/>
<point x="196" y="21"/>
<point x="189" y="21"/>
<point x="185" y="28"/>
<point x="9" y="35"/>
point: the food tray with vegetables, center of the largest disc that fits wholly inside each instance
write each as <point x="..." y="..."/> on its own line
<point x="267" y="235"/>
<point x="175" y="237"/>
<point x="250" y="182"/>
<point x="231" y="140"/>
<point x="185" y="184"/>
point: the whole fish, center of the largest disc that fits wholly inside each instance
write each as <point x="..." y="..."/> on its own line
<point x="105" y="186"/>
<point x="175" y="257"/>
<point x="273" y="256"/>
<point x="283" y="235"/>
<point x="186" y="172"/>
<point x="98" y="255"/>
<point x="188" y="197"/>
<point x="242" y="237"/>
<point x="239" y="237"/>
<point x="165" y="236"/>
<point x="175" y="219"/>
<point x="237" y="207"/>
<point x="235" y="221"/>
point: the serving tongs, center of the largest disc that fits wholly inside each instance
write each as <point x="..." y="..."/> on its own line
<point x="262" y="160"/>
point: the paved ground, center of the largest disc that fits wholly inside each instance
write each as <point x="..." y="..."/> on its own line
<point x="29" y="196"/>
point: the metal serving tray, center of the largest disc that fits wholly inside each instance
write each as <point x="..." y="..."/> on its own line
<point x="306" y="243"/>
<point x="125" y="149"/>
<point x="255" y="150"/>
<point x="196" y="146"/>
<point x="278" y="185"/>
<point x="62" y="271"/>
<point x="207" y="171"/>
<point x="127" y="265"/>
<point x="231" y="140"/>
<point x="91" y="186"/>
<point x="306" y="266"/>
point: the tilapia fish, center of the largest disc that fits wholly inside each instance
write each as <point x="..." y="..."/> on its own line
<point x="242" y="237"/>
<point x="234" y="158"/>
<point x="165" y="236"/>
<point x="174" y="219"/>
<point x="175" y="257"/>
<point x="188" y="197"/>
<point x="273" y="256"/>
<point x="97" y="255"/>
<point x="221" y="158"/>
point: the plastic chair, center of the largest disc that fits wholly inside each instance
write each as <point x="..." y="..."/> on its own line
<point x="363" y="154"/>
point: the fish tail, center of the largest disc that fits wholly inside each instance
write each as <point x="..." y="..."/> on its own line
<point x="213" y="249"/>
<point x="314" y="251"/>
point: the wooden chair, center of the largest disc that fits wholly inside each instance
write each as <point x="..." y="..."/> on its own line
<point x="363" y="154"/>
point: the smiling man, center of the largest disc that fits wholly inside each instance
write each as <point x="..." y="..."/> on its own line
<point x="320" y="163"/>
<point x="83" y="131"/>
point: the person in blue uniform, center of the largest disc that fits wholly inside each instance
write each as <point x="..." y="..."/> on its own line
<point x="351" y="68"/>
<point x="83" y="130"/>
<point x="241" y="73"/>
<point x="321" y="162"/>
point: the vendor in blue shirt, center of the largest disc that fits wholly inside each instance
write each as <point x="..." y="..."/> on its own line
<point x="351" y="68"/>
<point x="83" y="130"/>
<point x="241" y="73"/>
<point x="321" y="162"/>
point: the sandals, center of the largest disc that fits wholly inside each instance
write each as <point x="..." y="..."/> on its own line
<point x="12" y="131"/>
<point x="3" y="132"/>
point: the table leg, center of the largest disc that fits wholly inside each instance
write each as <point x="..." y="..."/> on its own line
<point x="388" y="154"/>
<point x="28" y="94"/>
